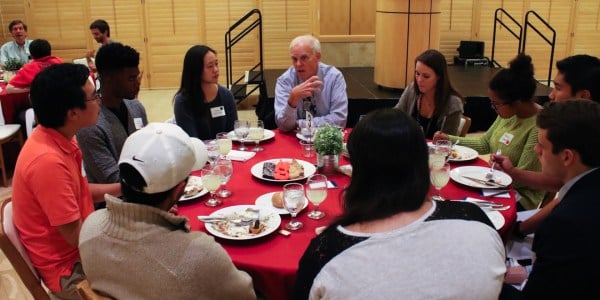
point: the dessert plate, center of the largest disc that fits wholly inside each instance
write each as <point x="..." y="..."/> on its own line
<point x="257" y="169"/>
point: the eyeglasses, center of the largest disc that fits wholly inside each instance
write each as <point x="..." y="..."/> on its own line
<point x="97" y="97"/>
<point x="495" y="106"/>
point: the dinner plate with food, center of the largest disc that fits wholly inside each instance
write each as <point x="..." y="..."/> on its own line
<point x="462" y="153"/>
<point x="268" y="134"/>
<point x="193" y="189"/>
<point x="274" y="200"/>
<point x="242" y="222"/>
<point x="283" y="170"/>
<point x="474" y="176"/>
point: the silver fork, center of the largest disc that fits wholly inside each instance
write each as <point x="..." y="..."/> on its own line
<point x="490" y="174"/>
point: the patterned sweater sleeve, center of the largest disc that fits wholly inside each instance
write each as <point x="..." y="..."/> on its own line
<point x="528" y="160"/>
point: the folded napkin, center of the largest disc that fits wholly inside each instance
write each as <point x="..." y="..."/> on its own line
<point x="240" y="155"/>
<point x="494" y="193"/>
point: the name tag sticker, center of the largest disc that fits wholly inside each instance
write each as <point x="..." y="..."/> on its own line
<point x="506" y="138"/>
<point x="137" y="122"/>
<point x="218" y="111"/>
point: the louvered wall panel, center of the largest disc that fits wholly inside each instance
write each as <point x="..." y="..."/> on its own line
<point x="456" y="21"/>
<point x="172" y="28"/>
<point x="587" y="28"/>
<point x="10" y="10"/>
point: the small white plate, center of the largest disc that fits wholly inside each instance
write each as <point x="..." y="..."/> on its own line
<point x="265" y="201"/>
<point x="463" y="153"/>
<point x="478" y="172"/>
<point x="193" y="181"/>
<point x="302" y="138"/>
<point x="257" y="169"/>
<point x="268" y="217"/>
<point x="269" y="134"/>
<point x="496" y="217"/>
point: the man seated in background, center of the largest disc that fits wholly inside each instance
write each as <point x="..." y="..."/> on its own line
<point x="153" y="254"/>
<point x="310" y="86"/>
<point x="120" y="113"/>
<point x="578" y="77"/>
<point x="17" y="49"/>
<point x="567" y="243"/>
<point x="41" y="53"/>
<point x="51" y="196"/>
<point x="101" y="33"/>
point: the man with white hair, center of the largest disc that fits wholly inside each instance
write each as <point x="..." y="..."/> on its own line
<point x="153" y="254"/>
<point x="310" y="86"/>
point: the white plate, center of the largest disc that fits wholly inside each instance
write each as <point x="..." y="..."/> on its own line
<point x="478" y="172"/>
<point x="193" y="181"/>
<point x="302" y="138"/>
<point x="496" y="217"/>
<point x="257" y="169"/>
<point x="269" y="134"/>
<point x="268" y="216"/>
<point x="464" y="153"/>
<point x="265" y="201"/>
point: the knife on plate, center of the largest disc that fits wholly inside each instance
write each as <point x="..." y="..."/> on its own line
<point x="484" y="182"/>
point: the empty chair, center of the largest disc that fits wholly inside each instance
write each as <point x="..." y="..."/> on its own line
<point x="16" y="254"/>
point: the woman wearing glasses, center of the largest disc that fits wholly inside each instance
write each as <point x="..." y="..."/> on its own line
<point x="514" y="133"/>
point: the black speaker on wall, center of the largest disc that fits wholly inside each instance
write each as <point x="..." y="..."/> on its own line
<point x="471" y="49"/>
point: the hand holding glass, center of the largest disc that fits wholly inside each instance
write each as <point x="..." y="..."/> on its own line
<point x="316" y="191"/>
<point x="293" y="200"/>
<point x="439" y="178"/>
<point x="211" y="180"/>
<point x="241" y="129"/>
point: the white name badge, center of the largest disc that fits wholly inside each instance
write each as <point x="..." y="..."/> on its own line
<point x="506" y="138"/>
<point x="218" y="111"/>
<point x="137" y="122"/>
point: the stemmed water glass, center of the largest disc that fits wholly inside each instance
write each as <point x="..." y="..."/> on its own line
<point x="256" y="134"/>
<point x="316" y="191"/>
<point x="226" y="168"/>
<point x="241" y="129"/>
<point x="212" y="149"/>
<point x="439" y="178"/>
<point x="224" y="143"/>
<point x="211" y="180"/>
<point x="307" y="131"/>
<point x="443" y="147"/>
<point x="293" y="200"/>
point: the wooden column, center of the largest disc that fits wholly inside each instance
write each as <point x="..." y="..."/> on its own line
<point x="404" y="29"/>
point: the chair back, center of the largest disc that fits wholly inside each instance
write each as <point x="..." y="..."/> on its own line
<point x="16" y="254"/>
<point x="464" y="125"/>
<point x="85" y="291"/>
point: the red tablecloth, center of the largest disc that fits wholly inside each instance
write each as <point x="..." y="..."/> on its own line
<point x="12" y="104"/>
<point x="272" y="261"/>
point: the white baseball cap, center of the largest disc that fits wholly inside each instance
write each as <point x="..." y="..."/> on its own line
<point x="162" y="153"/>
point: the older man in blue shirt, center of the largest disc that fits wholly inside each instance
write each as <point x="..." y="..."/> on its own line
<point x="310" y="86"/>
<point x="19" y="48"/>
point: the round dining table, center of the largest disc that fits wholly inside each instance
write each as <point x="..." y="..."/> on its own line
<point x="272" y="260"/>
<point x="12" y="104"/>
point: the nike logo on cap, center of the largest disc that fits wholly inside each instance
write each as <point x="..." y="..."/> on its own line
<point x="137" y="159"/>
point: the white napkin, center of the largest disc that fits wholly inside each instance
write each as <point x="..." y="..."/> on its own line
<point x="240" y="155"/>
<point x="491" y="192"/>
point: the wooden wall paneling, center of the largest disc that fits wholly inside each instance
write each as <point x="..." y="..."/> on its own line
<point x="425" y="15"/>
<point x="456" y="24"/>
<point x="390" y="53"/>
<point x="334" y="17"/>
<point x="283" y="21"/>
<point x="126" y="21"/>
<point x="586" y="38"/>
<point x="11" y="10"/>
<point x="171" y="29"/>
<point x="362" y="17"/>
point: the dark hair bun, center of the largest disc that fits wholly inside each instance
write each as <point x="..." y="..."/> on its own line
<point x="522" y="66"/>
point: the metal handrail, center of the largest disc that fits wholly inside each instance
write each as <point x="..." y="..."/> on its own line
<point x="498" y="20"/>
<point x="551" y="43"/>
<point x="231" y="41"/>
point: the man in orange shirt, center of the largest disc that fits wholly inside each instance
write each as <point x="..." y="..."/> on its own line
<point x="51" y="196"/>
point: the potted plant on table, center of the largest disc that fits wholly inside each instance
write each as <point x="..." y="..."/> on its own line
<point x="11" y="67"/>
<point x="329" y="142"/>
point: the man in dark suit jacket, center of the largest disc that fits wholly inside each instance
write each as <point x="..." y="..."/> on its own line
<point x="567" y="243"/>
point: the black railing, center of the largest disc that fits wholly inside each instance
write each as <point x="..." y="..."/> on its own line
<point x="517" y="36"/>
<point x="255" y="74"/>
<point x="551" y="43"/>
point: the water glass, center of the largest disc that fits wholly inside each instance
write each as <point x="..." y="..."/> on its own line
<point x="308" y="148"/>
<point x="241" y="128"/>
<point x="226" y="169"/>
<point x="316" y="191"/>
<point x="256" y="134"/>
<point x="224" y="143"/>
<point x="211" y="180"/>
<point x="212" y="150"/>
<point x="293" y="200"/>
<point x="439" y="178"/>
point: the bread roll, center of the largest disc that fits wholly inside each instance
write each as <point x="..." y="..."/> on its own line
<point x="277" y="199"/>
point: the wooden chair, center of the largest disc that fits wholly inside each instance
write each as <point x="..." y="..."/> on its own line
<point x="85" y="291"/>
<point x="16" y="254"/>
<point x="464" y="125"/>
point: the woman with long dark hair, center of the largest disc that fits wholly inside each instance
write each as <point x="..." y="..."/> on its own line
<point x="203" y="108"/>
<point x="431" y="99"/>
<point x="392" y="240"/>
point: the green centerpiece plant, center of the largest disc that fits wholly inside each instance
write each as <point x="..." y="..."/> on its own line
<point x="329" y="143"/>
<point x="11" y="67"/>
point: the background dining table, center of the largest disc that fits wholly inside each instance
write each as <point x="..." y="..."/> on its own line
<point x="272" y="260"/>
<point x="12" y="104"/>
